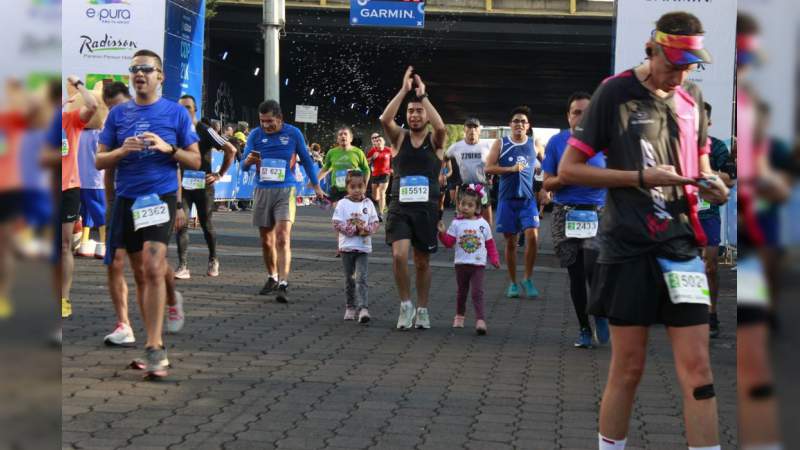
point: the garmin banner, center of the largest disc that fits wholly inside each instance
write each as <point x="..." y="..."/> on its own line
<point x="636" y="20"/>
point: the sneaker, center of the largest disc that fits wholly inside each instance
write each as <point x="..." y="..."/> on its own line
<point x="458" y="321"/>
<point x="406" y="318"/>
<point x="156" y="362"/>
<point x="6" y="308"/>
<point x="584" y="339"/>
<point x="86" y="249"/>
<point x="213" y="267"/>
<point x="350" y="313"/>
<point x="283" y="294"/>
<point x="269" y="286"/>
<point x="363" y="316"/>
<point x="480" y="327"/>
<point x="175" y="318"/>
<point x="713" y="325"/>
<point x="601" y="331"/>
<point x="66" y="308"/>
<point x="140" y="364"/>
<point x="512" y="291"/>
<point x="423" y="319"/>
<point x="100" y="250"/>
<point x="530" y="289"/>
<point x="122" y="336"/>
<point x="182" y="273"/>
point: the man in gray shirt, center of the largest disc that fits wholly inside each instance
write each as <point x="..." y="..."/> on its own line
<point x="470" y="155"/>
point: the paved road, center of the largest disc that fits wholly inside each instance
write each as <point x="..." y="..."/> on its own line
<point x="251" y="373"/>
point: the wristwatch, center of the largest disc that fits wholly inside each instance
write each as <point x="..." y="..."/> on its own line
<point x="77" y="83"/>
<point x="423" y="96"/>
<point x="174" y="149"/>
<point x="179" y="204"/>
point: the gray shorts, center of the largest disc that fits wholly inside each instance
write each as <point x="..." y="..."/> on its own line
<point x="273" y="205"/>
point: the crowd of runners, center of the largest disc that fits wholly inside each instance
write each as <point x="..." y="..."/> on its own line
<point x="635" y="183"/>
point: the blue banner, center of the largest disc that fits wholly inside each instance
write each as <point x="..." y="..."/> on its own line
<point x="183" y="49"/>
<point x="388" y="13"/>
<point x="239" y="185"/>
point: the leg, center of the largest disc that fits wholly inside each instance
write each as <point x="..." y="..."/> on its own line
<point x="628" y="351"/>
<point x="693" y="366"/>
<point x="577" y="290"/>
<point x="268" y="249"/>
<point x="462" y="288"/>
<point x="423" y="281"/>
<point x="205" y="209"/>
<point x="283" y="237"/>
<point x="476" y="281"/>
<point x="711" y="257"/>
<point x="136" y="260"/>
<point x="67" y="260"/>
<point x="400" y="268"/>
<point x="758" y="407"/>
<point x="531" y="249"/>
<point x="362" y="287"/>
<point x="182" y="236"/>
<point x="349" y="265"/>
<point x="118" y="287"/>
<point x="382" y="197"/>
<point x="511" y="255"/>
<point x="169" y="280"/>
<point x="154" y="264"/>
<point x="486" y="213"/>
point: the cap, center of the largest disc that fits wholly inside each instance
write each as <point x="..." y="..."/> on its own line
<point x="472" y="122"/>
<point x="682" y="49"/>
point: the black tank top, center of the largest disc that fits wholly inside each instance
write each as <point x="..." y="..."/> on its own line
<point x="416" y="161"/>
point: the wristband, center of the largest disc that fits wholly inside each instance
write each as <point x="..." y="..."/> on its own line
<point x="179" y="204"/>
<point x="423" y="96"/>
<point x="77" y="83"/>
<point x="641" y="178"/>
<point x="174" y="150"/>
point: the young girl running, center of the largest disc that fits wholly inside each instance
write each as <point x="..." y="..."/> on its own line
<point x="356" y="220"/>
<point x="474" y="238"/>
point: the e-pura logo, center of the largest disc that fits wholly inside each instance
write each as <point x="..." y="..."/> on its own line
<point x="108" y="44"/>
<point x="109" y="11"/>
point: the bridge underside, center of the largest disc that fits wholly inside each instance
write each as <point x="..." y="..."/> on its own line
<point x="474" y="65"/>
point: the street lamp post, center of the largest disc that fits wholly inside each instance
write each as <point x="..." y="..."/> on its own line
<point x="273" y="21"/>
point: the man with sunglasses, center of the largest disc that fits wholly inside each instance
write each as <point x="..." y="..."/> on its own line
<point x="144" y="140"/>
<point x="649" y="121"/>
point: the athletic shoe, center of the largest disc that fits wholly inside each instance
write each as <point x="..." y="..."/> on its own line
<point x="713" y="325"/>
<point x="363" y="316"/>
<point x="601" y="331"/>
<point x="182" y="273"/>
<point x="530" y="289"/>
<point x="100" y="250"/>
<point x="175" y="317"/>
<point x="406" y="318"/>
<point x="213" y="267"/>
<point x="86" y="249"/>
<point x="423" y="319"/>
<point x="66" y="308"/>
<point x="350" y="313"/>
<point x="283" y="294"/>
<point x="269" y="286"/>
<point x="6" y="308"/>
<point x="584" y="339"/>
<point x="156" y="362"/>
<point x="458" y="321"/>
<point x="512" y="291"/>
<point x="480" y="327"/>
<point x="122" y="336"/>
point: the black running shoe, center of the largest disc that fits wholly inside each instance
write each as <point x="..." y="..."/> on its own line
<point x="269" y="286"/>
<point x="283" y="295"/>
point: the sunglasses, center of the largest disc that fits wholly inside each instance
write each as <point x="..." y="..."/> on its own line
<point x="144" y="68"/>
<point x="519" y="122"/>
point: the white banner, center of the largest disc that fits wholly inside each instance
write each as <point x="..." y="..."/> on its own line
<point x="636" y="20"/>
<point x="100" y="37"/>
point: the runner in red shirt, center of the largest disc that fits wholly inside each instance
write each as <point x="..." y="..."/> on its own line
<point x="380" y="157"/>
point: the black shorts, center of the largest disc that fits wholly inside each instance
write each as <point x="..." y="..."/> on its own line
<point x="417" y="223"/>
<point x="70" y="205"/>
<point x="379" y="179"/>
<point x="634" y="293"/>
<point x="12" y="205"/>
<point x="751" y="315"/>
<point x="336" y="195"/>
<point x="134" y="240"/>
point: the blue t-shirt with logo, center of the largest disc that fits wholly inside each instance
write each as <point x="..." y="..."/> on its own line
<point x="280" y="150"/>
<point x="148" y="171"/>
<point x="572" y="195"/>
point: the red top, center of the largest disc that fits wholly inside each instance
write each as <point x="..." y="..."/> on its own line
<point x="383" y="161"/>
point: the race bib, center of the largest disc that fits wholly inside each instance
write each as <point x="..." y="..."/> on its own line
<point x="341" y="179"/>
<point x="703" y="205"/>
<point x="149" y="210"/>
<point x="64" y="148"/>
<point x="581" y="224"/>
<point x="751" y="286"/>
<point x="273" y="170"/>
<point x="414" y="189"/>
<point x="193" y="180"/>
<point x="686" y="281"/>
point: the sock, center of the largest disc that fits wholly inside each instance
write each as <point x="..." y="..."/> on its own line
<point x="610" y="444"/>
<point x="274" y="276"/>
<point x="713" y="447"/>
<point x="102" y="231"/>
<point x="406" y="303"/>
<point x="85" y="235"/>
<point x="283" y="283"/>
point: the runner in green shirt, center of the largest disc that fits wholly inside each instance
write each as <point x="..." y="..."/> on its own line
<point x="342" y="159"/>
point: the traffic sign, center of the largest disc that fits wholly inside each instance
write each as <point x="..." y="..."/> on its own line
<point x="388" y="13"/>
<point x="305" y="114"/>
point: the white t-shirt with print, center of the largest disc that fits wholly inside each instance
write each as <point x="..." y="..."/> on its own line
<point x="471" y="236"/>
<point x="350" y="212"/>
<point x="471" y="160"/>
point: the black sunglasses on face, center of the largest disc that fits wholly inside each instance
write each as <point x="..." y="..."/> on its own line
<point x="144" y="68"/>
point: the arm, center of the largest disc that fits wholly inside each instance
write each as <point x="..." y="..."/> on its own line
<point x="392" y="130"/>
<point x="492" y="162"/>
<point x="491" y="251"/>
<point x="439" y="129"/>
<point x="108" y="159"/>
<point x="108" y="184"/>
<point x="90" y="105"/>
<point x="574" y="170"/>
<point x="447" y="240"/>
<point x="327" y="165"/>
<point x="345" y="228"/>
<point x="229" y="151"/>
<point x="364" y="165"/>
<point x="552" y="182"/>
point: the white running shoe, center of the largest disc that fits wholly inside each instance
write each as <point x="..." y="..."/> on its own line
<point x="121" y="336"/>
<point x="363" y="316"/>
<point x="175" y="318"/>
<point x="406" y="319"/>
<point x="100" y="250"/>
<point x="350" y="313"/>
<point x="423" y="318"/>
<point x="86" y="249"/>
<point x="213" y="267"/>
<point x="182" y="273"/>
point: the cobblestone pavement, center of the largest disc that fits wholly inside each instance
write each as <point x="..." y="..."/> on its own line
<point x="251" y="373"/>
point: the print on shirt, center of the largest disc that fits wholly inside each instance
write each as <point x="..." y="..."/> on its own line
<point x="470" y="242"/>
